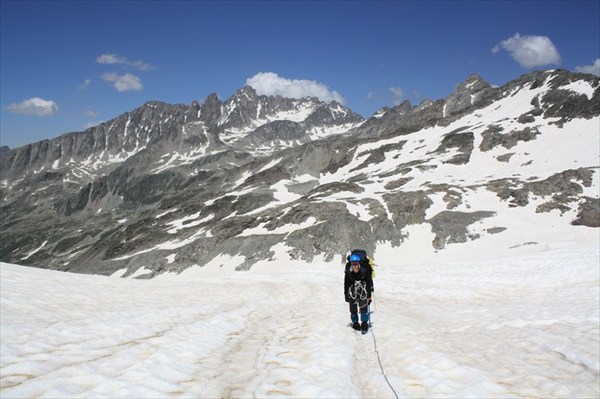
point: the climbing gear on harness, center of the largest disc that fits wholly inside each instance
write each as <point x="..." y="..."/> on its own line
<point x="358" y="290"/>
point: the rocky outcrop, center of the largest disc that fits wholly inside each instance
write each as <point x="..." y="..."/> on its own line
<point x="471" y="92"/>
<point x="451" y="227"/>
<point x="168" y="187"/>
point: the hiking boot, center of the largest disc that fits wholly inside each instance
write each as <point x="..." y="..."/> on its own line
<point x="356" y="325"/>
<point x="364" y="327"/>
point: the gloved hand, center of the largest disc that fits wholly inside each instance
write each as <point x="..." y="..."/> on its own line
<point x="369" y="300"/>
<point x="347" y="297"/>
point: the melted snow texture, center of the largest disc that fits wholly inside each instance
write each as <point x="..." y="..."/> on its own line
<point x="525" y="326"/>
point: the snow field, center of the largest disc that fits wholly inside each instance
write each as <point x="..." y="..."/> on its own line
<point x="518" y="328"/>
<point x="522" y="326"/>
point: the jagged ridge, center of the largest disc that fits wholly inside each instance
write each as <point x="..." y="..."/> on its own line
<point x="238" y="178"/>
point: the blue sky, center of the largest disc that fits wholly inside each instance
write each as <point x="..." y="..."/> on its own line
<point x="66" y="65"/>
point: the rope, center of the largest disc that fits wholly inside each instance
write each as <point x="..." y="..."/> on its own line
<point x="358" y="290"/>
<point x="355" y="294"/>
<point x="379" y="360"/>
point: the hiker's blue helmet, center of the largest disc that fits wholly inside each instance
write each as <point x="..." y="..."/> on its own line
<point x="354" y="258"/>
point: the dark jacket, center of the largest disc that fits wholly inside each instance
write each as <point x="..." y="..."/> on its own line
<point x="364" y="274"/>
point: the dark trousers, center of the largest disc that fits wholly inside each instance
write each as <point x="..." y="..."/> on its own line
<point x="356" y="306"/>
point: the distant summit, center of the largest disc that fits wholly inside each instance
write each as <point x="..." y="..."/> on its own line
<point x="165" y="187"/>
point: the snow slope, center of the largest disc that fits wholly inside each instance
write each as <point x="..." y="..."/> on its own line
<point x="522" y="326"/>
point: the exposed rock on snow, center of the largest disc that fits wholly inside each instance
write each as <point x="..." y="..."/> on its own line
<point x="240" y="176"/>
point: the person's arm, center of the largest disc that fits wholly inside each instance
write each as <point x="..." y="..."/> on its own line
<point x="346" y="286"/>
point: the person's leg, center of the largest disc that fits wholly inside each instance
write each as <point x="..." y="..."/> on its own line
<point x="364" y="315"/>
<point x="354" y="315"/>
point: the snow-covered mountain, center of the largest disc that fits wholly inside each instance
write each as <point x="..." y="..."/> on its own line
<point x="167" y="187"/>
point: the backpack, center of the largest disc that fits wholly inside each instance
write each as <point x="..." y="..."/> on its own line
<point x="365" y="262"/>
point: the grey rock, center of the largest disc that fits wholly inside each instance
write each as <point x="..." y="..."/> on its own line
<point x="494" y="137"/>
<point x="208" y="177"/>
<point x="469" y="93"/>
<point x="461" y="142"/>
<point x="451" y="227"/>
<point x="588" y="213"/>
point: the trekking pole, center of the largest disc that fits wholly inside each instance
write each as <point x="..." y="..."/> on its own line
<point x="370" y="314"/>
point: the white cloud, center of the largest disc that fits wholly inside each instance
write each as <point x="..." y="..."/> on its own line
<point x="90" y="113"/>
<point x="125" y="82"/>
<point x="112" y="59"/>
<point x="86" y="83"/>
<point x="271" y="84"/>
<point x="530" y="51"/>
<point x="34" y="106"/>
<point x="593" y="69"/>
<point x="398" y="94"/>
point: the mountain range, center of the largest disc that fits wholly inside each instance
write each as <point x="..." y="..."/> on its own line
<point x="265" y="178"/>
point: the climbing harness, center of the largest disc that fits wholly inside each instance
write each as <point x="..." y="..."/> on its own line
<point x="358" y="291"/>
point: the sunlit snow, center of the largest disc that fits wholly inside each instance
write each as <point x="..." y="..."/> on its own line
<point x="524" y="326"/>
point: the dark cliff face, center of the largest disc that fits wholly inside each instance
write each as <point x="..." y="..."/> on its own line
<point x="247" y="175"/>
<point x="127" y="133"/>
<point x="157" y="122"/>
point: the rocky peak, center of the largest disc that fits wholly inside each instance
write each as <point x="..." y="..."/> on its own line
<point x="247" y="115"/>
<point x="330" y="114"/>
<point x="210" y="111"/>
<point x="241" y="109"/>
<point x="98" y="147"/>
<point x="244" y="188"/>
<point x="403" y="108"/>
<point x="566" y="96"/>
<point x="385" y="120"/>
<point x="572" y="96"/>
<point x="247" y="92"/>
<point x="244" y="98"/>
<point x="468" y="93"/>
